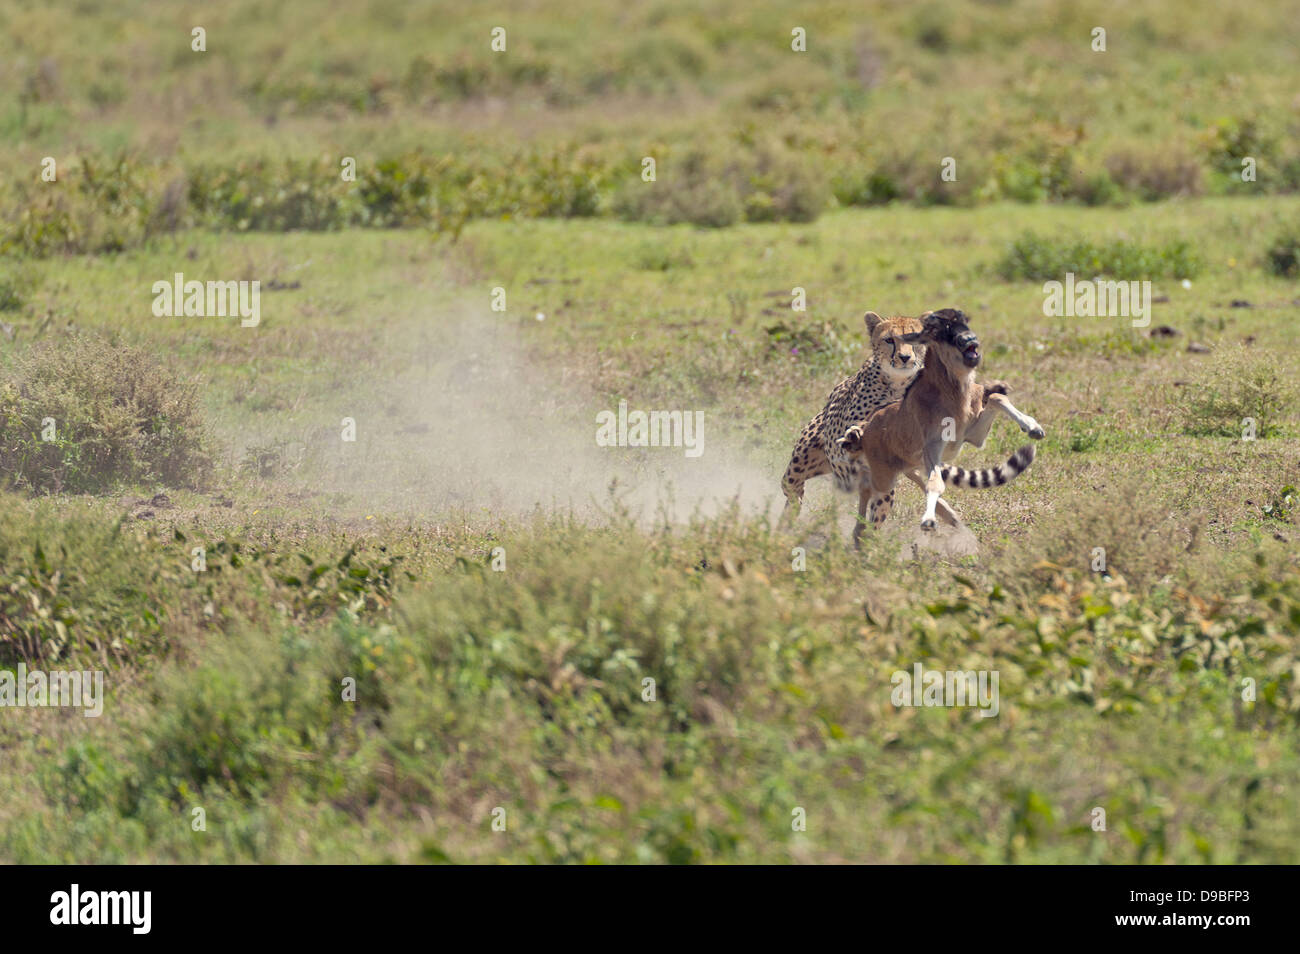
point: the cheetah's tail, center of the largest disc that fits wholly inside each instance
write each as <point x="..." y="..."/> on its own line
<point x="1016" y="464"/>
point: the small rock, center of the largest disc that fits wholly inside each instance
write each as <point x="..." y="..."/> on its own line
<point x="1164" y="331"/>
<point x="1241" y="303"/>
<point x="1197" y="348"/>
<point x="943" y="540"/>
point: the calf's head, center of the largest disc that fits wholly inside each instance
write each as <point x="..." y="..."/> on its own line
<point x="948" y="331"/>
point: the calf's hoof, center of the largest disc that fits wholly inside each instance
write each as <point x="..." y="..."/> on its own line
<point x="1037" y="433"/>
<point x="927" y="524"/>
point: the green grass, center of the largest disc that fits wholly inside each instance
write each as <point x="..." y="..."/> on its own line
<point x="497" y="588"/>
<point x="522" y="689"/>
<point x="443" y="130"/>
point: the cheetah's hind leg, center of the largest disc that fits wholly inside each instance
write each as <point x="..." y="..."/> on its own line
<point x="807" y="461"/>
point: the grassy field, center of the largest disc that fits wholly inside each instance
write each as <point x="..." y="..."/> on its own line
<point x="474" y="634"/>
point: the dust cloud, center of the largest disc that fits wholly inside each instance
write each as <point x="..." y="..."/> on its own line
<point x="471" y="425"/>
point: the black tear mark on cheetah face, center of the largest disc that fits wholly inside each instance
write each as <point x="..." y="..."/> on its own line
<point x="895" y="346"/>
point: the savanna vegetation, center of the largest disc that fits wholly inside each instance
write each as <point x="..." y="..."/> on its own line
<point x="181" y="511"/>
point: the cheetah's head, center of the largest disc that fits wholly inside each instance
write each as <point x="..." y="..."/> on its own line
<point x="895" y="345"/>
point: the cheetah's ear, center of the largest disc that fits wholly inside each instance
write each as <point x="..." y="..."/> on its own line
<point x="872" y="319"/>
<point x="852" y="439"/>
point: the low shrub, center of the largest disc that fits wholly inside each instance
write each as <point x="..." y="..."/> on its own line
<point x="1239" y="386"/>
<point x="1157" y="173"/>
<point x="1283" y="256"/>
<point x="93" y="207"/>
<point x="15" y="286"/>
<point x="262" y="195"/>
<point x="1038" y="258"/>
<point x="74" y="588"/>
<point x="692" y="187"/>
<point x="718" y="186"/>
<point x="84" y="415"/>
<point x="1095" y="188"/>
<point x="1230" y="141"/>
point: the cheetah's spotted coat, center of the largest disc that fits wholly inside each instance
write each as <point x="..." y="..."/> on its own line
<point x="881" y="380"/>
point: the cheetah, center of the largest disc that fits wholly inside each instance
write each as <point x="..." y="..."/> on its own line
<point x="882" y="379"/>
<point x="897" y="357"/>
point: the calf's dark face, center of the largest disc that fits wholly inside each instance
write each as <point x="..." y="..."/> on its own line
<point x="969" y="346"/>
<point x="948" y="327"/>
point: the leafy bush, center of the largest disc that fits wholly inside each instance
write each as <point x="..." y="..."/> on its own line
<point x="1289" y="178"/>
<point x="1282" y="506"/>
<point x="15" y="285"/>
<point x="720" y="185"/>
<point x="1158" y="173"/>
<point x="393" y="193"/>
<point x="658" y="257"/>
<point x="691" y="188"/>
<point x="84" y="415"/>
<point x="558" y="184"/>
<point x="76" y="588"/>
<point x="1283" y="256"/>
<point x="1096" y="188"/>
<point x="610" y="675"/>
<point x="1040" y="259"/>
<point x="1240" y="386"/>
<point x="93" y="207"/>
<point x="784" y="186"/>
<point x="750" y="174"/>
<point x="859" y="187"/>
<point x="269" y="196"/>
<point x="1232" y="140"/>
<point x="805" y="340"/>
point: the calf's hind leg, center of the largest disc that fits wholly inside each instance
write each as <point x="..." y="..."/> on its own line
<point x="933" y="481"/>
<point x="946" y="513"/>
